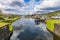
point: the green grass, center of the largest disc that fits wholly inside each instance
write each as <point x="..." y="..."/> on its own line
<point x="11" y="20"/>
<point x="8" y="21"/>
<point x="50" y="27"/>
<point x="50" y="23"/>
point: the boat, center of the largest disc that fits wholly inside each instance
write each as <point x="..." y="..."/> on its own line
<point x="43" y="18"/>
<point x="37" y="20"/>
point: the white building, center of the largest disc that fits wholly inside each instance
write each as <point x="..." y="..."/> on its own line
<point x="56" y="16"/>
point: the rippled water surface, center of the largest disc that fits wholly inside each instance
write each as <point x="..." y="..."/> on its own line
<point x="25" y="29"/>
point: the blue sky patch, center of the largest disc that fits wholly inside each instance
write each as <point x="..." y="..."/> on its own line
<point x="37" y="0"/>
<point x="26" y="1"/>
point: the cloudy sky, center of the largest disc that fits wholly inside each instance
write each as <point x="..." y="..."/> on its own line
<point x="24" y="7"/>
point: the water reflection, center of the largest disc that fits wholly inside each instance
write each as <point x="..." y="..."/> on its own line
<point x="25" y="29"/>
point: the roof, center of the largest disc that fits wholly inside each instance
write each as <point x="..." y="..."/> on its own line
<point x="2" y="24"/>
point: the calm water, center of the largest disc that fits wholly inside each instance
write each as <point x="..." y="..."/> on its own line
<point x="25" y="29"/>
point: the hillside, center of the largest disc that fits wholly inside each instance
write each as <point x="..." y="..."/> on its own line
<point x="54" y="13"/>
<point x="8" y="15"/>
<point x="50" y="13"/>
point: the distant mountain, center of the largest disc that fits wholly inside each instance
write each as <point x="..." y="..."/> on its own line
<point x="54" y="13"/>
<point x="50" y="13"/>
<point x="8" y="15"/>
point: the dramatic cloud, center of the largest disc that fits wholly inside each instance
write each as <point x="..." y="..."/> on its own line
<point x="49" y="5"/>
<point x="24" y="7"/>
